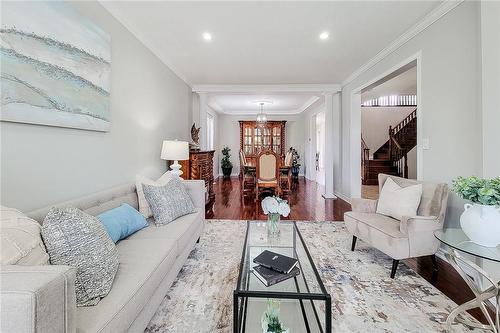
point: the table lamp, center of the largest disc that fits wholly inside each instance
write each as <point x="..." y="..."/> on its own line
<point x="175" y="151"/>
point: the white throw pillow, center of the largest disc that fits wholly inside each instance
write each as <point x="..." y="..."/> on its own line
<point x="144" y="208"/>
<point x="20" y="239"/>
<point x="396" y="201"/>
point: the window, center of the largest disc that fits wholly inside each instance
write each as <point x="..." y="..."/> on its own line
<point x="210" y="131"/>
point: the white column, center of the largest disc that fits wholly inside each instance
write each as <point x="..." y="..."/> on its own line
<point x="202" y="118"/>
<point x="332" y="142"/>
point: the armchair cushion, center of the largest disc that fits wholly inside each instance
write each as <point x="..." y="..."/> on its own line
<point x="397" y="201"/>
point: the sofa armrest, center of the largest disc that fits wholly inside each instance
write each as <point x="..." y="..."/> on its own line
<point x="196" y="190"/>
<point x="415" y="224"/>
<point x="37" y="299"/>
<point x="364" y="205"/>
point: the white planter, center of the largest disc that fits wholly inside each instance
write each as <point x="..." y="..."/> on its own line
<point x="481" y="223"/>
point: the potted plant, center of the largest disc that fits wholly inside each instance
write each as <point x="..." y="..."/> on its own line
<point x="295" y="163"/>
<point x="274" y="207"/>
<point x="481" y="220"/>
<point x="225" y="163"/>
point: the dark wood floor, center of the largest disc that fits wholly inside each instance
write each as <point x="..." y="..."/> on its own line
<point x="307" y="204"/>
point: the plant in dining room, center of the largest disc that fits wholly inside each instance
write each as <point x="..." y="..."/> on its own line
<point x="295" y="162"/>
<point x="225" y="163"/>
<point x="481" y="220"/>
<point x="274" y="207"/>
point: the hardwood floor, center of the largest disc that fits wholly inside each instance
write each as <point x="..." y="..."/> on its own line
<point x="307" y="204"/>
<point x="305" y="201"/>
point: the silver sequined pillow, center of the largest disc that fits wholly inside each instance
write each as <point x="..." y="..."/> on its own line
<point x="168" y="202"/>
<point x="77" y="239"/>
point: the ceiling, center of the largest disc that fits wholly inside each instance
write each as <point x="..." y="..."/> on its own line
<point x="257" y="42"/>
<point x="403" y="84"/>
<point x="242" y="104"/>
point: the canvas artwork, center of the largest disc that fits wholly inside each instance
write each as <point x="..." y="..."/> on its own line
<point x="55" y="66"/>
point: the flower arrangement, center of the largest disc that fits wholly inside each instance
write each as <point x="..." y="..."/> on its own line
<point x="270" y="318"/>
<point x="225" y="163"/>
<point x="275" y="205"/>
<point x="478" y="190"/>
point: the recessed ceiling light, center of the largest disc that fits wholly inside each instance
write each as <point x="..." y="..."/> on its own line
<point x="207" y="36"/>
<point x="324" y="35"/>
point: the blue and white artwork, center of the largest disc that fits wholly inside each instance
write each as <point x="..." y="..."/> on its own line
<point x="55" y="66"/>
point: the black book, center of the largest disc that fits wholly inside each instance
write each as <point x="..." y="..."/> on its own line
<point x="275" y="261"/>
<point x="269" y="277"/>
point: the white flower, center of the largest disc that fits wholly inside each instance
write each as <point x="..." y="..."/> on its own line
<point x="283" y="209"/>
<point x="270" y="205"/>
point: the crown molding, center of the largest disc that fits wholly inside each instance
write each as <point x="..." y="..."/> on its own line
<point x="416" y="29"/>
<point x="265" y="88"/>
<point x="146" y="42"/>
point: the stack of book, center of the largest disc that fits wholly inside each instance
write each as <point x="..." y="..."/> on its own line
<point x="273" y="267"/>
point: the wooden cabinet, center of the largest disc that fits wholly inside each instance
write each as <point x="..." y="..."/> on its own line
<point x="255" y="137"/>
<point x="201" y="166"/>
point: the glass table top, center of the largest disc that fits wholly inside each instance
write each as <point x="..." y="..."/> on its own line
<point x="457" y="239"/>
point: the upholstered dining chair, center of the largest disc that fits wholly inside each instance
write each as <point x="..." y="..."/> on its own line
<point x="247" y="177"/>
<point x="267" y="172"/>
<point x="412" y="236"/>
<point x="286" y="173"/>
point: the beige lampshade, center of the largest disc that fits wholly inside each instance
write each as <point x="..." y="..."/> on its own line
<point x="175" y="150"/>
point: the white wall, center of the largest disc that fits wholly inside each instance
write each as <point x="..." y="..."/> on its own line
<point x="44" y="165"/>
<point x="229" y="135"/>
<point x="449" y="100"/>
<point x="308" y="122"/>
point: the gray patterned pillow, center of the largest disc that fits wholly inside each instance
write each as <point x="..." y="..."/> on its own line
<point x="77" y="239"/>
<point x="168" y="202"/>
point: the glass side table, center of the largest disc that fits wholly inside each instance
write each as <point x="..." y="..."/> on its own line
<point x="456" y="242"/>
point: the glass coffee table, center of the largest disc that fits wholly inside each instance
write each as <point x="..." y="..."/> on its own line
<point x="304" y="304"/>
<point x="456" y="242"/>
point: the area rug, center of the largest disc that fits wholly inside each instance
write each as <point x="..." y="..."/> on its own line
<point x="364" y="297"/>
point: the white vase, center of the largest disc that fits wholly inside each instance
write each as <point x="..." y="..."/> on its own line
<point x="481" y="223"/>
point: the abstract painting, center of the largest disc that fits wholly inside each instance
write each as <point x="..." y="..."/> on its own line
<point x="55" y="66"/>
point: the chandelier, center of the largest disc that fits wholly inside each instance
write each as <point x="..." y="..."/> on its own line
<point x="261" y="117"/>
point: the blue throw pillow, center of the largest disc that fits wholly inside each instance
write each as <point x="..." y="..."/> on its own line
<point x="123" y="221"/>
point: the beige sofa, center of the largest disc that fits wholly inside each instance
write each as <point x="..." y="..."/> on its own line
<point x="413" y="236"/>
<point x="42" y="298"/>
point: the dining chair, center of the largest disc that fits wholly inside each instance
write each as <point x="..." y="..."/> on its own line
<point x="286" y="173"/>
<point x="267" y="172"/>
<point x="247" y="177"/>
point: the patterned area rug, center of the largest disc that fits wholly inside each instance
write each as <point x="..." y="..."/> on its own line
<point x="364" y="297"/>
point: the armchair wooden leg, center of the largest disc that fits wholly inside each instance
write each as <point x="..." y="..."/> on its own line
<point x="394" y="267"/>
<point x="353" y="245"/>
<point x="434" y="268"/>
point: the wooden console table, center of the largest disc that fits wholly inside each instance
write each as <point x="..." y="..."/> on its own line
<point x="201" y="166"/>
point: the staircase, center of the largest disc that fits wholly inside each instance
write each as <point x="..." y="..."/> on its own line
<point x="391" y="157"/>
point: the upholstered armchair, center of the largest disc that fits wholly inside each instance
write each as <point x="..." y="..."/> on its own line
<point x="412" y="236"/>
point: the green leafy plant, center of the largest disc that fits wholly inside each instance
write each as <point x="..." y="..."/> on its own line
<point x="225" y="161"/>
<point x="478" y="190"/>
<point x="295" y="158"/>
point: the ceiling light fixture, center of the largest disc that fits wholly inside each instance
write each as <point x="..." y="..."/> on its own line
<point x="261" y="117"/>
<point x="207" y="36"/>
<point x="324" y="35"/>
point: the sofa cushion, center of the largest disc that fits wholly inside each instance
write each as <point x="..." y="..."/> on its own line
<point x="397" y="201"/>
<point x="380" y="231"/>
<point x="180" y="230"/>
<point x="144" y="208"/>
<point x="77" y="239"/>
<point x="168" y="202"/>
<point x="143" y="265"/>
<point x="20" y="239"/>
<point x="122" y="221"/>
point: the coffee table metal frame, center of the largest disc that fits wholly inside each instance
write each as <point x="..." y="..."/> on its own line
<point x="481" y="296"/>
<point x="239" y="308"/>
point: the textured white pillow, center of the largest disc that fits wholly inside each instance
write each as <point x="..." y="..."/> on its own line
<point x="144" y="208"/>
<point x="20" y="239"/>
<point x="397" y="201"/>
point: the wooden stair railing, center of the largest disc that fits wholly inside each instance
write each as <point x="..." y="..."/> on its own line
<point x="405" y="132"/>
<point x="365" y="159"/>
